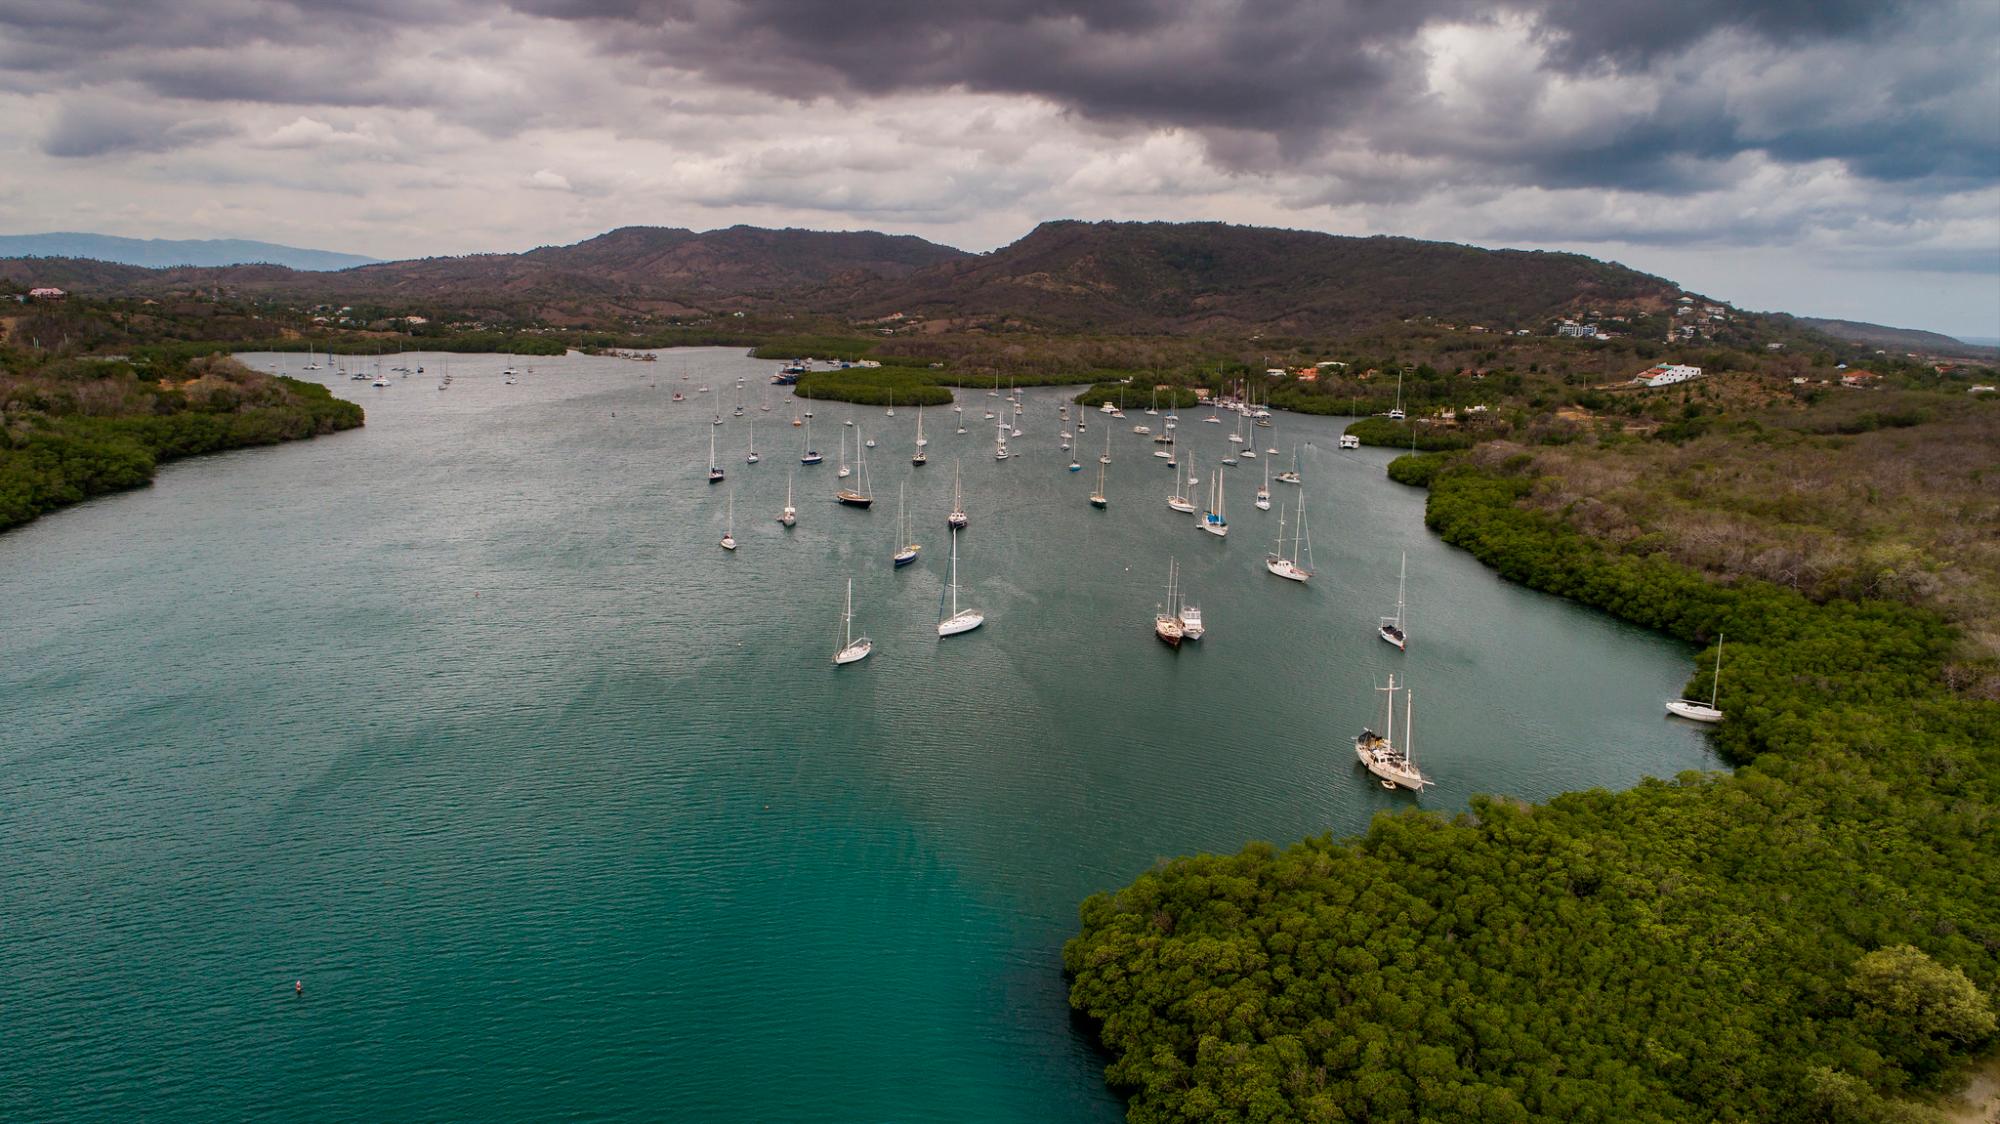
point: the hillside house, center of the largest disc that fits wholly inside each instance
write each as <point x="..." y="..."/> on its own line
<point x="1666" y="374"/>
<point x="46" y="293"/>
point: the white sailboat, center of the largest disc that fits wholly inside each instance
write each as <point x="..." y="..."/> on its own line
<point x="1291" y="475"/>
<point x="714" y="470"/>
<point x="1000" y="442"/>
<point x="1695" y="710"/>
<point x="1097" y="498"/>
<point x="845" y="470"/>
<point x="811" y="455"/>
<point x="1106" y="458"/>
<point x="906" y="551"/>
<point x="960" y="620"/>
<point x="1286" y="565"/>
<point x="957" y="520"/>
<point x="1213" y="520"/>
<point x="1264" y="493"/>
<point x="790" y="515"/>
<point x="1397" y="413"/>
<point x="920" y="458"/>
<point x="753" y="458"/>
<point x="1392" y="627"/>
<point x="1167" y="621"/>
<point x="851" y="650"/>
<point x="1395" y="766"/>
<point x="729" y="529"/>
<point x="1182" y="503"/>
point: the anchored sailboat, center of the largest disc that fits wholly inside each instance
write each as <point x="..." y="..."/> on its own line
<point x="1697" y="711"/>
<point x="811" y="455"/>
<point x="1392" y="627"/>
<point x="1264" y="493"/>
<point x="1213" y="520"/>
<point x="729" y="530"/>
<point x="753" y="458"/>
<point x="1395" y="766"/>
<point x="1291" y="475"/>
<point x="957" y="520"/>
<point x="906" y="551"/>
<point x="919" y="458"/>
<point x="851" y="650"/>
<point x="1167" y="622"/>
<point x="1286" y="565"/>
<point x="1097" y="498"/>
<point x="714" y="470"/>
<point x="790" y="515"/>
<point x="960" y="620"/>
<point x="864" y="496"/>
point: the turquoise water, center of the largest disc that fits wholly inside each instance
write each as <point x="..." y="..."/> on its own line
<point x="558" y="810"/>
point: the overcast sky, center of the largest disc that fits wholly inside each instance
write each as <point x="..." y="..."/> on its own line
<point x="1825" y="157"/>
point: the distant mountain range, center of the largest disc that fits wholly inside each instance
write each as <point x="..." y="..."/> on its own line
<point x="1178" y="278"/>
<point x="165" y="253"/>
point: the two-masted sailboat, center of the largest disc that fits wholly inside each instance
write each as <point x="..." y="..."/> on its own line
<point x="957" y="520"/>
<point x="858" y="497"/>
<point x="906" y="551"/>
<point x="1286" y="564"/>
<point x="1167" y="621"/>
<point x="1213" y="520"/>
<point x="1395" y="766"/>
<point x="1695" y="710"/>
<point x="1097" y="498"/>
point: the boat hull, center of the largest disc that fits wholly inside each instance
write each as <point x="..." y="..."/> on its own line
<point x="855" y="652"/>
<point x="1393" y="635"/>
<point x="1693" y="711"/>
<point x="905" y="558"/>
<point x="963" y="622"/>
<point x="1287" y="569"/>
<point x="854" y="499"/>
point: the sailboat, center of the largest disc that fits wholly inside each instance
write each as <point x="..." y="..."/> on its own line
<point x="851" y="650"/>
<point x="1167" y="622"/>
<point x="892" y="407"/>
<point x="790" y="515"/>
<point x="753" y="458"/>
<point x="1394" y="766"/>
<point x="811" y="455"/>
<point x="1291" y="475"/>
<point x="739" y="398"/>
<point x="729" y="530"/>
<point x="1264" y="493"/>
<point x="1097" y="498"/>
<point x="1106" y="458"/>
<point x="1699" y="711"/>
<point x="861" y="498"/>
<point x="1155" y="407"/>
<point x="1180" y="502"/>
<point x="714" y="470"/>
<point x="1000" y="443"/>
<point x="957" y="520"/>
<point x="845" y="470"/>
<point x="1392" y="627"/>
<point x="920" y="458"/>
<point x="906" y="553"/>
<point x="1287" y="565"/>
<point x="960" y="620"/>
<point x="1213" y="521"/>
<point x="1397" y="413"/>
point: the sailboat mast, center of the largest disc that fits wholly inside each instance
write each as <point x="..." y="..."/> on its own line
<point x="1401" y="577"/>
<point x="1409" y="728"/>
<point x="1715" y="688"/>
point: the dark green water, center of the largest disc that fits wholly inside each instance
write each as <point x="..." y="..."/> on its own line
<point x="562" y="812"/>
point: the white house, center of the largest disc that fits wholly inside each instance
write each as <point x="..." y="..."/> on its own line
<point x="46" y="293"/>
<point x="1666" y="374"/>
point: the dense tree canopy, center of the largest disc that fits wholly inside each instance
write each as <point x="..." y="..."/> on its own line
<point x="1809" y="938"/>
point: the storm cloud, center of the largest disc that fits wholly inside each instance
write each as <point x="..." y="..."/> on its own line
<point x="1838" y="134"/>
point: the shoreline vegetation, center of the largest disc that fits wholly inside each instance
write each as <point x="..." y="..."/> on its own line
<point x="1812" y="937"/>
<point x="79" y="428"/>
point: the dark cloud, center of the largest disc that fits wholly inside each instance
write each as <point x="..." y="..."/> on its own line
<point x="98" y="128"/>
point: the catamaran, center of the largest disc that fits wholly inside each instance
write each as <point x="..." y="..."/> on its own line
<point x="714" y="470"/>
<point x="957" y="520"/>
<point x="960" y="620"/>
<point x="1286" y="565"/>
<point x="851" y="650"/>
<point x="729" y="529"/>
<point x="1394" y="766"/>
<point x="1392" y="627"/>
<point x="907" y="551"/>
<point x="1695" y="710"/>
<point x="1213" y="520"/>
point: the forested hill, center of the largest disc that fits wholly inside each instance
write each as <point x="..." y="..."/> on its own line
<point x="1208" y="277"/>
<point x="1129" y="278"/>
<point x="1900" y="339"/>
